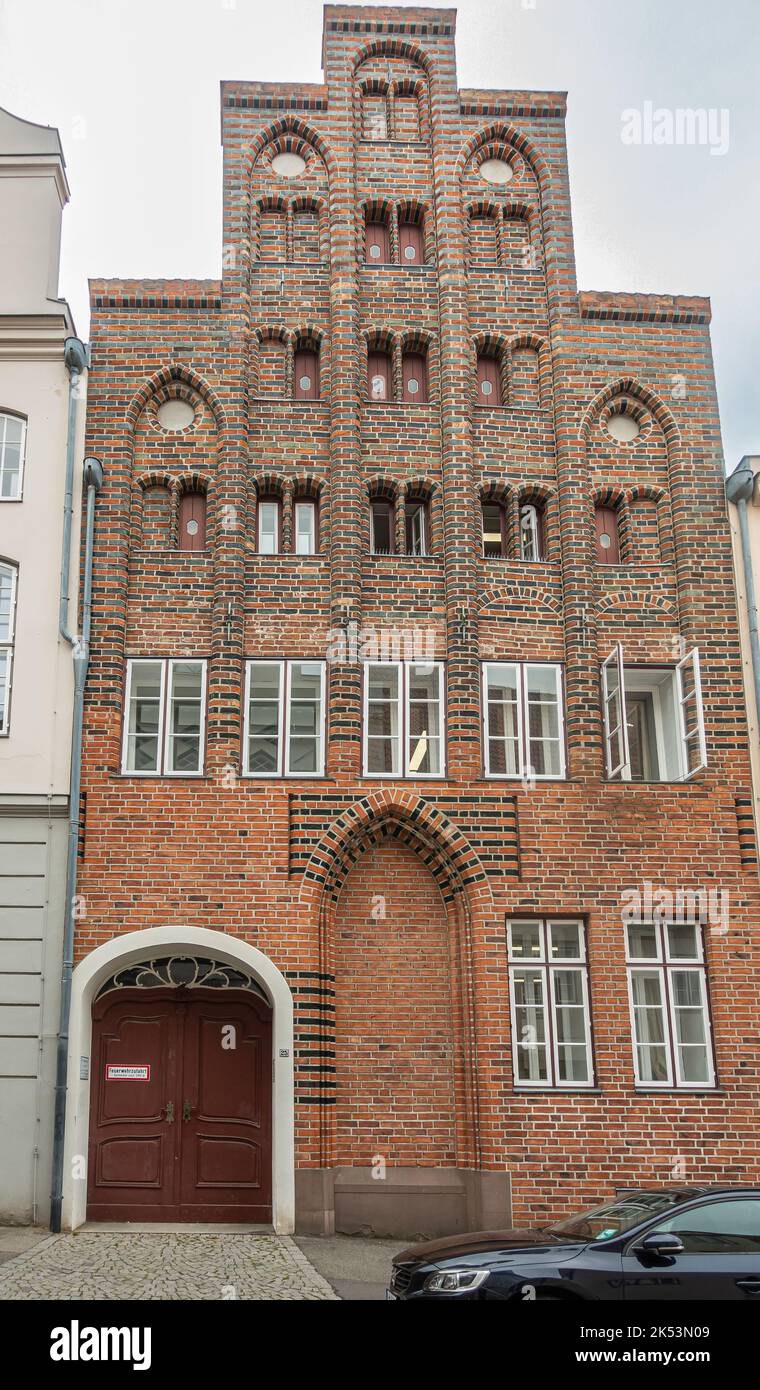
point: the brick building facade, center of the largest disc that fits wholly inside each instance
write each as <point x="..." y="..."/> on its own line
<point x="392" y="514"/>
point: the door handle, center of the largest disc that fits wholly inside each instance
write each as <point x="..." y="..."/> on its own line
<point x="749" y="1285"/>
<point x="169" y="1115"/>
<point x="186" y="1111"/>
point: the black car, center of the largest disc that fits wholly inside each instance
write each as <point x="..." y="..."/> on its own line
<point x="675" y="1243"/>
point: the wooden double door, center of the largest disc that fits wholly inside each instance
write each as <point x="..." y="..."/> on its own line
<point x="181" y="1107"/>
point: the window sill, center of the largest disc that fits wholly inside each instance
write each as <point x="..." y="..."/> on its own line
<point x="557" y="1091"/>
<point x="679" y="1091"/>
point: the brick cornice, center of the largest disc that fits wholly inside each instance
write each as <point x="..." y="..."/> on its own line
<point x="644" y="308"/>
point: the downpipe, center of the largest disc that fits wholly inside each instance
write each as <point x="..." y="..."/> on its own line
<point x="76" y="359"/>
<point x="739" y="489"/>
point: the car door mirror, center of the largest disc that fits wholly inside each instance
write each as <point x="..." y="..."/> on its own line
<point x="660" y="1243"/>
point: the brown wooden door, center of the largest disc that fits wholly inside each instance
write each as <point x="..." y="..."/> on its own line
<point x="192" y="521"/>
<point x="489" y="381"/>
<point x="377" y="244"/>
<point x="379" y="376"/>
<point x="607" y="536"/>
<point x="414" y="375"/>
<point x="307" y="376"/>
<point x="181" y="1107"/>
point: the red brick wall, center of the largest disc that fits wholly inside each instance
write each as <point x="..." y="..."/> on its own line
<point x="219" y="852"/>
<point x="393" y="1015"/>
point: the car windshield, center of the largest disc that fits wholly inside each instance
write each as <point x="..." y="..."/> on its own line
<point x="615" y="1218"/>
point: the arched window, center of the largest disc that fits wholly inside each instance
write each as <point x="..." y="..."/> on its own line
<point x="374" y="116"/>
<point x="377" y="242"/>
<point x="411" y="240"/>
<point x="268" y="526"/>
<point x="494" y="522"/>
<point x="417" y="526"/>
<point x="489" y="380"/>
<point x="532" y="531"/>
<point x="415" y="378"/>
<point x="192" y="521"/>
<point x="272" y="234"/>
<point x="382" y="526"/>
<point x="12" y="443"/>
<point x="8" y="576"/>
<point x="271" y="368"/>
<point x="379" y="376"/>
<point x="484" y="239"/>
<point x="306" y="234"/>
<point x="607" y="536"/>
<point x="307" y="374"/>
<point x="406" y="116"/>
<point x="306" y="526"/>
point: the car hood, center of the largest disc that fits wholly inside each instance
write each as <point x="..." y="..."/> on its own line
<point x="480" y="1242"/>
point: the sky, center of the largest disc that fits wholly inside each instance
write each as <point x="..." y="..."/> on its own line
<point x="133" y="87"/>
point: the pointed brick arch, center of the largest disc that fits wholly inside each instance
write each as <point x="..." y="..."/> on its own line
<point x="166" y="377"/>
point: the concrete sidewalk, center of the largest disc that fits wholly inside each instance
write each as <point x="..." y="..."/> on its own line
<point x="16" y="1240"/>
<point x="357" y="1267"/>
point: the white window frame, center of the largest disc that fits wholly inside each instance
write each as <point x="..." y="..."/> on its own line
<point x="8" y="645"/>
<point x="308" y="505"/>
<point x="420" y="517"/>
<point x="274" y="503"/>
<point x="686" y="732"/>
<point x="284" y="665"/>
<point x="402" y="703"/>
<point x="528" y="510"/>
<point x="167" y="664"/>
<point x="523" y="739"/>
<point x="548" y="965"/>
<point x="9" y="415"/>
<point x="663" y="964"/>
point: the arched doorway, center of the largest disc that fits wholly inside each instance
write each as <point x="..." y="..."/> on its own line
<point x="181" y="1095"/>
<point x="230" y="978"/>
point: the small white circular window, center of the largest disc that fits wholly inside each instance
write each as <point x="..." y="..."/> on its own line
<point x="496" y="171"/>
<point x="304" y="382"/>
<point x="192" y="528"/>
<point x="410" y="253"/>
<point x="374" y="251"/>
<point x="623" y="428"/>
<point x="605" y="541"/>
<point x="413" y="386"/>
<point x="288" y="166"/>
<point x="175" y="415"/>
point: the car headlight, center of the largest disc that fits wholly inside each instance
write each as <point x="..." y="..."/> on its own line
<point x="455" y="1280"/>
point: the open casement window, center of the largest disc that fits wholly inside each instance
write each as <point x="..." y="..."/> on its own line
<point x="379" y="376"/>
<point x="164" y="718"/>
<point x="523" y="725"/>
<point x="404" y="719"/>
<point x="284" y="719"/>
<point x="307" y="375"/>
<point x="417" y="526"/>
<point x="305" y="529"/>
<point x="653" y="720"/>
<point x="494" y="517"/>
<point x="382" y="526"/>
<point x="670" y="1020"/>
<point x="531" y="532"/>
<point x="549" y="1004"/>
<point x="268" y="526"/>
<point x="8" y="576"/>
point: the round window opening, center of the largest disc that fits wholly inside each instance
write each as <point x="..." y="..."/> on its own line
<point x="605" y="541"/>
<point x="623" y="428"/>
<point x="175" y="415"/>
<point x="413" y="386"/>
<point x="288" y="166"/>
<point x="304" y="383"/>
<point x="497" y="171"/>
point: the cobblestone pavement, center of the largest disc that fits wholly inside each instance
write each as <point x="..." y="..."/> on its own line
<point x="146" y="1265"/>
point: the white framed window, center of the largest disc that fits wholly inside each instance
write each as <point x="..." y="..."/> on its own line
<point x="284" y="725"/>
<point x="531" y="533"/>
<point x="404" y="719"/>
<point x="670" y="1019"/>
<point x="306" y="528"/>
<point x="12" y="451"/>
<point x="654" y="728"/>
<point x="165" y="717"/>
<point x="416" y="522"/>
<point x="549" y="1004"/>
<point x="8" y="583"/>
<point x="268" y="526"/>
<point x="523" y="720"/>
